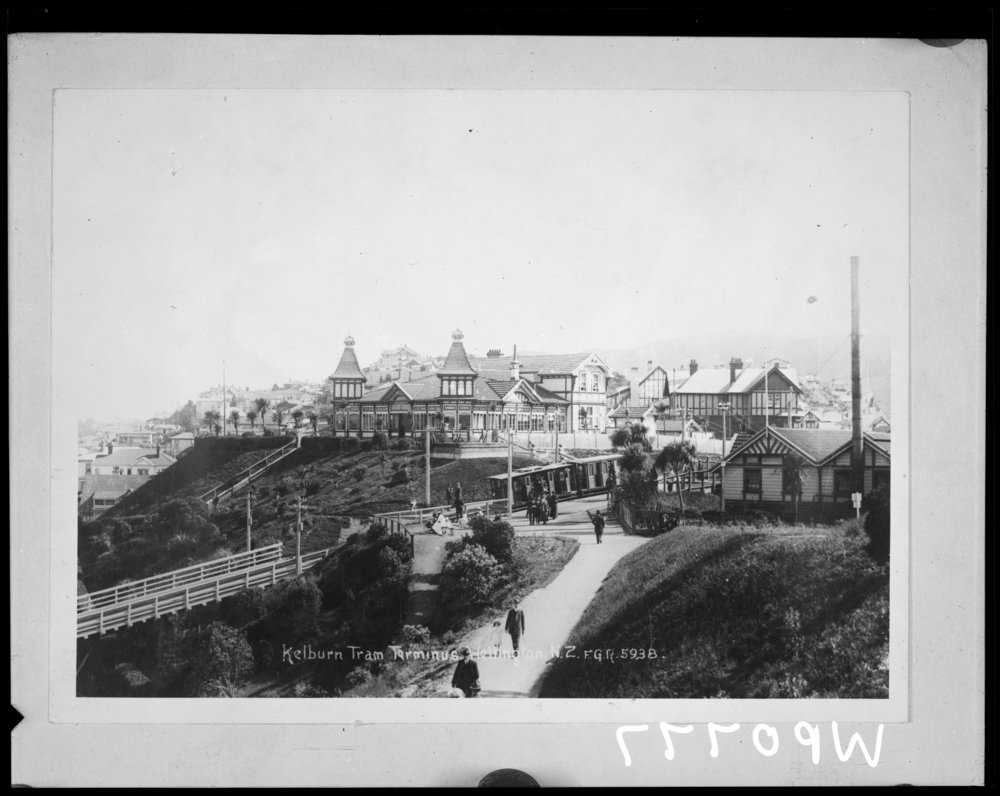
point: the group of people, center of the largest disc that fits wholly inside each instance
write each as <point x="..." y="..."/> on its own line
<point x="466" y="676"/>
<point x="541" y="504"/>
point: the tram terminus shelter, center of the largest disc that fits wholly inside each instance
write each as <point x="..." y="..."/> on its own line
<point x="546" y="393"/>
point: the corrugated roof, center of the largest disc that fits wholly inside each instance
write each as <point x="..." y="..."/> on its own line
<point x="546" y="364"/>
<point x="120" y="457"/>
<point x="715" y="381"/>
<point x="817" y="444"/>
<point x="110" y="485"/>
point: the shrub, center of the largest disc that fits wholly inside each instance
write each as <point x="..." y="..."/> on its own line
<point x="401" y="476"/>
<point x="350" y="444"/>
<point x="877" y="522"/>
<point x="405" y="444"/>
<point x="415" y="635"/>
<point x="470" y="575"/>
<point x="496" y="537"/>
<point x="358" y="676"/>
<point x="313" y="487"/>
<point x="380" y="440"/>
<point x="375" y="532"/>
<point x="634" y="459"/>
<point x="359" y="472"/>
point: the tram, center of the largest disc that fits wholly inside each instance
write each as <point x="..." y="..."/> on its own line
<point x="566" y="480"/>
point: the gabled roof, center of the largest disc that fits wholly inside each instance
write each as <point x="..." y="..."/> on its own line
<point x="816" y="445"/>
<point x="123" y="457"/>
<point x="629" y="412"/>
<point x="715" y="381"/>
<point x="348" y="367"/>
<point x="111" y="486"/>
<point x="543" y="364"/>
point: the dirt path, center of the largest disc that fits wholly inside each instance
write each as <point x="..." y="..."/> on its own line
<point x="551" y="613"/>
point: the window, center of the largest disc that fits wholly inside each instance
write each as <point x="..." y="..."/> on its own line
<point x="842" y="483"/>
<point x="595" y="382"/>
<point x="880" y="478"/>
<point x="751" y="480"/>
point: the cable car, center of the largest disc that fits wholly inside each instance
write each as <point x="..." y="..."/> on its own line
<point x="566" y="480"/>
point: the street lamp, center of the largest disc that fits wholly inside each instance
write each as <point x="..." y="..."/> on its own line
<point x="723" y="407"/>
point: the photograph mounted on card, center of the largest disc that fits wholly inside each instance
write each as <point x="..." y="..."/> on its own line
<point x="577" y="404"/>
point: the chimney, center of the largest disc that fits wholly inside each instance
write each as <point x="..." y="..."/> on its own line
<point x="649" y="364"/>
<point x="693" y="366"/>
<point x="515" y="366"/>
<point x="735" y="366"/>
<point x="111" y="448"/>
<point x="157" y="450"/>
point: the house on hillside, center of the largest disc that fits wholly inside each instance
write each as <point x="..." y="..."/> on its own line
<point x="470" y="402"/>
<point x="752" y="394"/>
<point x="755" y="477"/>
<point x="132" y="461"/>
<point x="179" y="443"/>
<point x="98" y="493"/>
<point x="637" y="390"/>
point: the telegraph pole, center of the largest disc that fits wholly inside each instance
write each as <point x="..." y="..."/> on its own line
<point x="427" y="458"/>
<point x="510" y="474"/>
<point x="767" y="400"/>
<point x="857" y="457"/>
<point x="723" y="407"/>
<point x="298" y="537"/>
<point x="249" y="522"/>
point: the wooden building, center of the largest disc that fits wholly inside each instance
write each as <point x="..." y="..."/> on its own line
<point x="755" y="476"/>
<point x="750" y="395"/>
<point x="458" y="400"/>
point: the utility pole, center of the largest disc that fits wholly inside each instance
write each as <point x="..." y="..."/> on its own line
<point x="298" y="537"/>
<point x="723" y="407"/>
<point x="249" y="522"/>
<point x="857" y="456"/>
<point x="427" y="459"/>
<point x="223" y="412"/>
<point x="790" y="395"/>
<point x="767" y="400"/>
<point x="510" y="474"/>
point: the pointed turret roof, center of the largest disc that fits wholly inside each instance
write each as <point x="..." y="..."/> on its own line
<point x="348" y="367"/>
<point x="457" y="362"/>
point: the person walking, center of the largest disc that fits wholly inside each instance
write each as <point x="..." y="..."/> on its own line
<point x="551" y="500"/>
<point x="466" y="676"/>
<point x="459" y="505"/>
<point x="598" y="521"/>
<point x="543" y="510"/>
<point x="515" y="626"/>
<point x="531" y="511"/>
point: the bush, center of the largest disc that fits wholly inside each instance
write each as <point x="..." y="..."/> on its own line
<point x="496" y="537"/>
<point x="405" y="444"/>
<point x="470" y="575"/>
<point x="359" y="472"/>
<point x="380" y="441"/>
<point x="375" y="532"/>
<point x="350" y="444"/>
<point x="401" y="476"/>
<point x="877" y="522"/>
<point x="358" y="676"/>
<point x="313" y="487"/>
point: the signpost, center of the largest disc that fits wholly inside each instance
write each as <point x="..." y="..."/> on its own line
<point x="856" y="502"/>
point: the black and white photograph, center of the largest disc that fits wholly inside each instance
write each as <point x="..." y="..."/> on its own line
<point x="590" y="403"/>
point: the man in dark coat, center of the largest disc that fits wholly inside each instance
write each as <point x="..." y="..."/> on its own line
<point x="598" y="521"/>
<point x="551" y="500"/>
<point x="466" y="676"/>
<point x="515" y="626"/>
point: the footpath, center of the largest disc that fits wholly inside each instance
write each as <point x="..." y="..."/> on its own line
<point x="550" y="613"/>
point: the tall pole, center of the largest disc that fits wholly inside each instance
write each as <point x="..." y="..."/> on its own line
<point x="510" y="474"/>
<point x="249" y="522"/>
<point x="767" y="400"/>
<point x="298" y="537"/>
<point x="722" y="486"/>
<point x="223" y="412"/>
<point x="427" y="459"/>
<point x="857" y="460"/>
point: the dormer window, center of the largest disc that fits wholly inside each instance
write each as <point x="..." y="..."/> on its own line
<point x="459" y="386"/>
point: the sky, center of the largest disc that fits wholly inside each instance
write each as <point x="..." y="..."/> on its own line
<point x="250" y="231"/>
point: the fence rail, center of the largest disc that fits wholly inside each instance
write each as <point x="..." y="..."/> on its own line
<point x="244" y="477"/>
<point x="178" y="577"/>
<point x="139" y="608"/>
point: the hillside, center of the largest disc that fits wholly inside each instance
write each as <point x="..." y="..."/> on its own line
<point x="784" y="612"/>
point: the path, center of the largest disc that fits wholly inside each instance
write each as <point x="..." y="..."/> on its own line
<point x="428" y="558"/>
<point x="551" y="613"/>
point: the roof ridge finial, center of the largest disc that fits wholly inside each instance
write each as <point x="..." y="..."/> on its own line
<point x="349" y="341"/>
<point x="457" y="335"/>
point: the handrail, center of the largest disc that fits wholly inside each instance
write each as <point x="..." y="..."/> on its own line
<point x="229" y="485"/>
<point x="178" y="577"/>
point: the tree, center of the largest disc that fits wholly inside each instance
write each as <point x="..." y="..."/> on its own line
<point x="252" y="418"/>
<point x="226" y="660"/>
<point x="212" y="419"/>
<point x="877" y="522"/>
<point x="633" y="459"/>
<point x="279" y="415"/>
<point x="313" y="419"/>
<point x="297" y="415"/>
<point x="676" y="458"/>
<point x="792" y="475"/>
<point x="262" y="406"/>
<point x="620" y="437"/>
<point x="234" y="418"/>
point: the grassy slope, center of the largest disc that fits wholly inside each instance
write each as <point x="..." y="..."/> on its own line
<point x="786" y="612"/>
